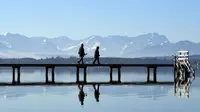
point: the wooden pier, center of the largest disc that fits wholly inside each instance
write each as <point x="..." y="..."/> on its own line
<point x="84" y="67"/>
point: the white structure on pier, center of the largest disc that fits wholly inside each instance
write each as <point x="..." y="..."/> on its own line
<point x="183" y="55"/>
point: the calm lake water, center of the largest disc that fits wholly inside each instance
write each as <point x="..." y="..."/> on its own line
<point x="112" y="98"/>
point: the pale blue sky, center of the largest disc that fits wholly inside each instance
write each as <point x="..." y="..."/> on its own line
<point x="177" y="19"/>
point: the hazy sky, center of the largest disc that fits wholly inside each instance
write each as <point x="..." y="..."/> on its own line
<point x="177" y="19"/>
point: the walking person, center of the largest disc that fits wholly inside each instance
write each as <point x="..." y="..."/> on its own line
<point x="81" y="53"/>
<point x="81" y="94"/>
<point x="96" y="55"/>
<point x="96" y="92"/>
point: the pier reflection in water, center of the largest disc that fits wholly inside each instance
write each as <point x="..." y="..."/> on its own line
<point x="82" y="94"/>
<point x="116" y="97"/>
<point x="184" y="76"/>
<point x="182" y="89"/>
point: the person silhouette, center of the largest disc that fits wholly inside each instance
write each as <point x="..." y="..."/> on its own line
<point x="81" y="94"/>
<point x="96" y="55"/>
<point x="81" y="53"/>
<point x="96" y="92"/>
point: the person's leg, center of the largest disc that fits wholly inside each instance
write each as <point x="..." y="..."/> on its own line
<point x="98" y="60"/>
<point x="82" y="87"/>
<point x="94" y="61"/>
<point x="98" y="87"/>
<point x="94" y="87"/>
<point x="82" y="60"/>
<point x="79" y="87"/>
<point x="79" y="60"/>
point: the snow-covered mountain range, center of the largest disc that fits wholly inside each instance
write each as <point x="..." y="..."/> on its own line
<point x="151" y="44"/>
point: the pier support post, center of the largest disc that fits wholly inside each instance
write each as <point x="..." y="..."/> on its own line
<point x="148" y="74"/>
<point x="53" y="74"/>
<point x="175" y="73"/>
<point x="119" y="74"/>
<point x="85" y="74"/>
<point x="111" y="69"/>
<point x="47" y="79"/>
<point x="175" y="80"/>
<point x="13" y="75"/>
<point x="77" y="74"/>
<point x="18" y="75"/>
<point x="155" y="74"/>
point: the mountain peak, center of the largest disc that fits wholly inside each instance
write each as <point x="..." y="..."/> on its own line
<point x="63" y="37"/>
<point x="185" y="42"/>
<point x="13" y="35"/>
<point x="117" y="36"/>
<point x="95" y="36"/>
<point x="153" y="34"/>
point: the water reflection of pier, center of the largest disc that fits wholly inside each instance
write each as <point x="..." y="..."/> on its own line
<point x="183" y="76"/>
<point x="96" y="91"/>
<point x="122" y="90"/>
